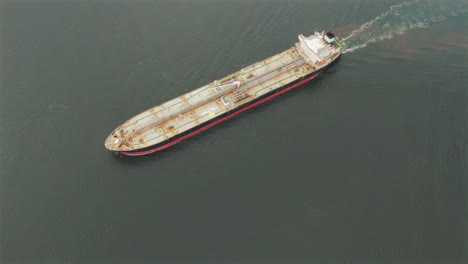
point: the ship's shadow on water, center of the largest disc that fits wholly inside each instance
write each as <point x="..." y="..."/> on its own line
<point x="169" y="152"/>
<point x="172" y="151"/>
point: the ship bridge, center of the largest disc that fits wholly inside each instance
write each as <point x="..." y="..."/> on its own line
<point x="317" y="48"/>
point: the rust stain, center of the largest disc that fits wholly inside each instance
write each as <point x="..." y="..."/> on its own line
<point x="171" y="130"/>
<point x="219" y="104"/>
<point x="154" y="112"/>
<point x="194" y="116"/>
<point x="160" y="127"/>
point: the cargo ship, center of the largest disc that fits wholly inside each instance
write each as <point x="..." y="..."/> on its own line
<point x="175" y="120"/>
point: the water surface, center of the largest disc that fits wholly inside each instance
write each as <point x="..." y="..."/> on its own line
<point x="367" y="164"/>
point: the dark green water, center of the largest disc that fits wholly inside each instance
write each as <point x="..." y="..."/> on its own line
<point x="366" y="164"/>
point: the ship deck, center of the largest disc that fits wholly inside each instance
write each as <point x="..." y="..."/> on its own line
<point x="180" y="114"/>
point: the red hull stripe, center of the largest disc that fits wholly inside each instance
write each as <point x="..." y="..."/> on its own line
<point x="220" y="120"/>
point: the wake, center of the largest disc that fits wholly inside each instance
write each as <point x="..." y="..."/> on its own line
<point x="403" y="17"/>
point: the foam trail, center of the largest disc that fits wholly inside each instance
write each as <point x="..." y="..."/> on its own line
<point x="402" y="17"/>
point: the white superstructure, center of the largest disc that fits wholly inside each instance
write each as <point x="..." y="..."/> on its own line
<point x="316" y="48"/>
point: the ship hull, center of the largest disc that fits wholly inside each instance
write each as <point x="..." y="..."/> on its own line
<point x="229" y="114"/>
